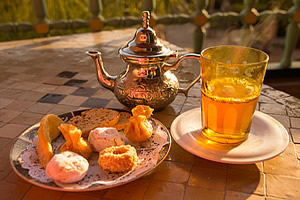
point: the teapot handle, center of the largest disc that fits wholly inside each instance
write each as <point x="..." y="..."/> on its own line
<point x="174" y="66"/>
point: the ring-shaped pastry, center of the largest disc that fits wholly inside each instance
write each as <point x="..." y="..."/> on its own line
<point x="118" y="158"/>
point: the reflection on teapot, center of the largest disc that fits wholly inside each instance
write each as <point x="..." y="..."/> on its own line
<point x="148" y="79"/>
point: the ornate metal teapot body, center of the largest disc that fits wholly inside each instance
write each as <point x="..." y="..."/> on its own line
<point x="148" y="79"/>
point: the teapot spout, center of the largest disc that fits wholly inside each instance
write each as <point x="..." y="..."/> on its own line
<point x="103" y="77"/>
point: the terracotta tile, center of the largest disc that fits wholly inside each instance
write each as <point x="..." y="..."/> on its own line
<point x="265" y="99"/>
<point x="52" y="98"/>
<point x="284" y="164"/>
<point x="250" y="167"/>
<point x="64" y="89"/>
<point x="84" y="91"/>
<point x="180" y="99"/>
<point x="192" y="101"/>
<point x="92" y="83"/>
<point x="8" y="115"/>
<point x="5" y="167"/>
<point x="164" y="118"/>
<point x="295" y="122"/>
<point x="273" y="108"/>
<point x="274" y="94"/>
<point x="4" y="142"/>
<point x="75" y="196"/>
<point x="172" y="109"/>
<point x="292" y="102"/>
<point x="22" y="77"/>
<point x="284" y="120"/>
<point x="246" y="181"/>
<point x="4" y="153"/>
<point x="27" y="118"/>
<point x="282" y="186"/>
<point x="195" y="93"/>
<point x="201" y="162"/>
<point x="35" y="193"/>
<point x="298" y="150"/>
<point x="195" y="193"/>
<point x="172" y="172"/>
<point x="209" y="178"/>
<point x="98" y="193"/>
<point x="73" y="100"/>
<point x="10" y="191"/>
<point x="232" y="195"/>
<point x="41" y="108"/>
<point x="134" y="190"/>
<point x="19" y="105"/>
<point x="12" y="130"/>
<point x="273" y="198"/>
<point x="295" y="135"/>
<point x="188" y="107"/>
<point x="95" y="103"/>
<point x="25" y="85"/>
<point x="16" y="69"/>
<point x="66" y="74"/>
<point x="84" y="76"/>
<point x="104" y="94"/>
<point x="61" y="109"/>
<point x="2" y="124"/>
<point x="11" y="93"/>
<point x="293" y="112"/>
<point x="12" y="177"/>
<point x="115" y="104"/>
<point x="31" y="96"/>
<point x="5" y="102"/>
<point x="75" y="82"/>
<point x="159" y="190"/>
<point x="45" y="88"/>
<point x="56" y="81"/>
<point x="179" y="154"/>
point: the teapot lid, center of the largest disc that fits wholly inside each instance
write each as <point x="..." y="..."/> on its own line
<point x="145" y="44"/>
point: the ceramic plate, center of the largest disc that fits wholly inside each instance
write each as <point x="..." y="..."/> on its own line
<point x="22" y="143"/>
<point x="267" y="139"/>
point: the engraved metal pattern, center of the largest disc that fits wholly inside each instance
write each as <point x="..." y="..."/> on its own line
<point x="148" y="79"/>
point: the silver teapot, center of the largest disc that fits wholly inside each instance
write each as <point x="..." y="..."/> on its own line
<point x="148" y="79"/>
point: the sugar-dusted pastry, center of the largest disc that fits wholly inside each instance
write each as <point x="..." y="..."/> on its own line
<point x="97" y="117"/>
<point x="101" y="138"/>
<point x="139" y="128"/>
<point x="74" y="141"/>
<point x="47" y="132"/>
<point x="118" y="158"/>
<point x="67" y="167"/>
<point x="123" y="121"/>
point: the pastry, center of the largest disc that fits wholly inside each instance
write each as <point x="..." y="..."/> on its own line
<point x="118" y="158"/>
<point x="67" y="167"/>
<point x="97" y="117"/>
<point x="74" y="141"/>
<point x="123" y="121"/>
<point x="139" y="128"/>
<point x="47" y="132"/>
<point x="101" y="138"/>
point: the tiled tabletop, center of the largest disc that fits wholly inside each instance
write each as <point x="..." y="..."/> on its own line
<point x="54" y="75"/>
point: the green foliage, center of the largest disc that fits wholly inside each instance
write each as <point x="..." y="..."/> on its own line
<point x="22" y="11"/>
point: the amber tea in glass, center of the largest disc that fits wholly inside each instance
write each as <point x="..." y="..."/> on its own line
<point x="232" y="78"/>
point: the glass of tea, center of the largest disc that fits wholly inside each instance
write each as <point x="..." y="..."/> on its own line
<point x="232" y="78"/>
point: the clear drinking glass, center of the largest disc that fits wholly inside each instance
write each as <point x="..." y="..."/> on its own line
<point x="232" y="77"/>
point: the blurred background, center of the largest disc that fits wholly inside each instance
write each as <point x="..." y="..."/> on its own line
<point x="267" y="34"/>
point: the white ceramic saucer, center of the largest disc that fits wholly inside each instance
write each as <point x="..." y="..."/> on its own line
<point x="267" y="139"/>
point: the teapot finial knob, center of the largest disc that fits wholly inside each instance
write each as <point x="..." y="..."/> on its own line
<point x="146" y="18"/>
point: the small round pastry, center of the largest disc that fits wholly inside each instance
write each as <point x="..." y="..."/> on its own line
<point x="67" y="167"/>
<point x="139" y="129"/>
<point x="101" y="138"/>
<point x="118" y="158"/>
